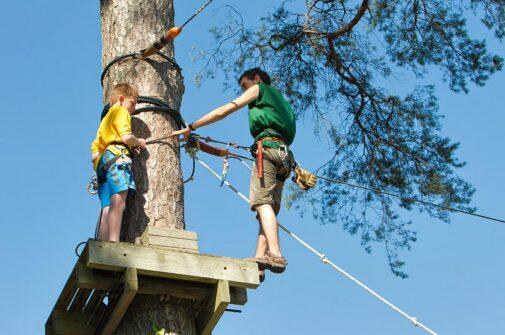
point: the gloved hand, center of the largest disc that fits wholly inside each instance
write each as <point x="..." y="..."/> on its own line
<point x="304" y="178"/>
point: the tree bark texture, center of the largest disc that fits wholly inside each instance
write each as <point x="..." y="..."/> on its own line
<point x="130" y="26"/>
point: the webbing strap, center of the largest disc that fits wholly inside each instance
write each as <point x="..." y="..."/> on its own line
<point x="259" y="159"/>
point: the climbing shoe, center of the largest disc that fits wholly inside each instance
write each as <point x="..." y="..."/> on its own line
<point x="274" y="263"/>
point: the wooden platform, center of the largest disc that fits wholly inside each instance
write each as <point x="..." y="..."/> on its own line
<point x="108" y="275"/>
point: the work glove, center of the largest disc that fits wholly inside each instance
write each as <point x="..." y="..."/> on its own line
<point x="304" y="178"/>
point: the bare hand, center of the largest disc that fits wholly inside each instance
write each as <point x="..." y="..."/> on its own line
<point x="142" y="144"/>
<point x="184" y="132"/>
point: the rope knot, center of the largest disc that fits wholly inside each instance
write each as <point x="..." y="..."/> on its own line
<point x="414" y="321"/>
<point x="324" y="259"/>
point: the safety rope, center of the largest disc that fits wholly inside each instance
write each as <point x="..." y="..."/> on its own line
<point x="325" y="259"/>
<point x="154" y="49"/>
<point x="138" y="56"/>
<point x="155" y="105"/>
<point x="171" y="34"/>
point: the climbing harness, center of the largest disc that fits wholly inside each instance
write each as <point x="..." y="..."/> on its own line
<point x="325" y="260"/>
<point x="171" y="34"/>
<point x="96" y="178"/>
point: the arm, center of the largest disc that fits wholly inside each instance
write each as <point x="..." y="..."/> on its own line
<point x="133" y="142"/>
<point x="221" y="112"/>
<point x="122" y="124"/>
<point x="94" y="156"/>
<point x="94" y="151"/>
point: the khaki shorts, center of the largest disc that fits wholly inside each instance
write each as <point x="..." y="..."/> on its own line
<point x="276" y="169"/>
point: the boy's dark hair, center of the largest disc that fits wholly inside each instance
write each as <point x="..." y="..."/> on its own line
<point x="251" y="73"/>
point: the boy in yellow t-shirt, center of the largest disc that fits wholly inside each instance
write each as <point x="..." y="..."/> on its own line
<point x="111" y="156"/>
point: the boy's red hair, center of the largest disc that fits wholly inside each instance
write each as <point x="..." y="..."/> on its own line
<point x="123" y="89"/>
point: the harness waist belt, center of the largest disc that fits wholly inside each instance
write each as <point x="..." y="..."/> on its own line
<point x="274" y="139"/>
<point x="123" y="147"/>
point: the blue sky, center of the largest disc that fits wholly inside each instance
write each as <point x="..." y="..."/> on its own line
<point x="50" y="66"/>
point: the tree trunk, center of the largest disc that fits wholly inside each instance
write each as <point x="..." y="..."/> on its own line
<point x="129" y="26"/>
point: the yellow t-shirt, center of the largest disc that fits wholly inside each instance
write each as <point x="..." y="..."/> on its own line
<point x="115" y="124"/>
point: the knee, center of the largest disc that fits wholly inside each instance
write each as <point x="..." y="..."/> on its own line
<point x="118" y="203"/>
<point x="105" y="211"/>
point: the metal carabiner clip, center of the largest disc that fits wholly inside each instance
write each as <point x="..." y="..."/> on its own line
<point x="224" y="173"/>
<point x="92" y="187"/>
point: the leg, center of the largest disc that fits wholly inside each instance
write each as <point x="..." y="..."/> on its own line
<point x="262" y="245"/>
<point x="269" y="225"/>
<point x="103" y="229"/>
<point x="118" y="202"/>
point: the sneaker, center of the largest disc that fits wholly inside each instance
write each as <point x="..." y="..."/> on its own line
<point x="274" y="263"/>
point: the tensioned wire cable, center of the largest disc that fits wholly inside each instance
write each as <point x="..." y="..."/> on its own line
<point x="376" y="190"/>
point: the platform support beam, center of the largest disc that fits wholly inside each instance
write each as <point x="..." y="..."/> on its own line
<point x="131" y="285"/>
<point x="218" y="301"/>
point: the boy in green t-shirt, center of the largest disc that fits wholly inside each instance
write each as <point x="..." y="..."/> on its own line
<point x="111" y="157"/>
<point x="273" y="127"/>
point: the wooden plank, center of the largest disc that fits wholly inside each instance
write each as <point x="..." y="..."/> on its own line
<point x="99" y="280"/>
<point x="207" y="319"/>
<point x="168" y="263"/>
<point x="175" y="233"/>
<point x="68" y="327"/>
<point x="130" y="289"/>
<point x="175" y="288"/>
<point x="80" y="299"/>
<point x="191" y="251"/>
<point x="67" y="293"/>
<point x="68" y="323"/>
<point x="238" y="296"/>
<point x="96" y="298"/>
<point x="87" y="278"/>
<point x="180" y="243"/>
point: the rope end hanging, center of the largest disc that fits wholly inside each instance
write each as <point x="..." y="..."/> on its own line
<point x="77" y="253"/>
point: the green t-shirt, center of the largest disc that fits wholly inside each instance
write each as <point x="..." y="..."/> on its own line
<point x="271" y="115"/>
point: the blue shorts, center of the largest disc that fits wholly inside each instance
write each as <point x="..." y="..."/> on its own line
<point x="118" y="178"/>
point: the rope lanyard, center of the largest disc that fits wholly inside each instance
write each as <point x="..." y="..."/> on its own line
<point x="324" y="259"/>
